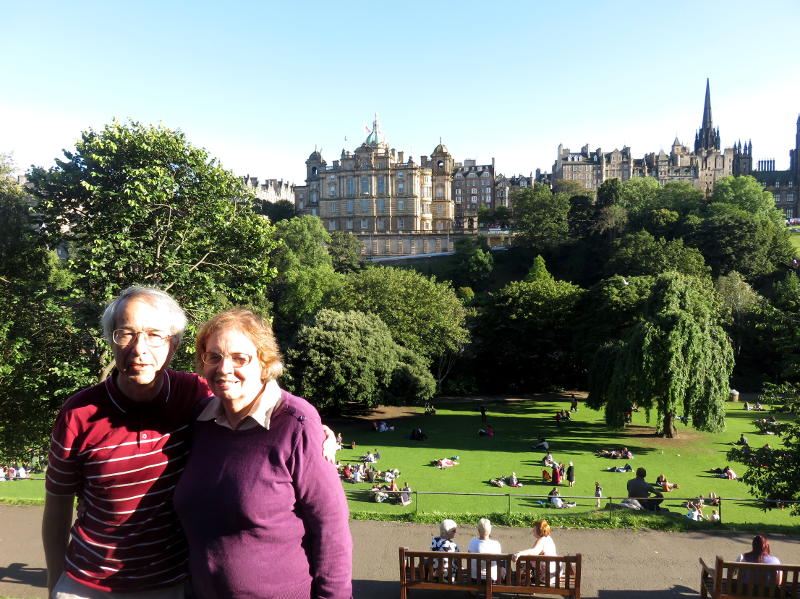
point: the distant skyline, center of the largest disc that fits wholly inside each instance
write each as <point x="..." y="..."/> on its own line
<point x="261" y="84"/>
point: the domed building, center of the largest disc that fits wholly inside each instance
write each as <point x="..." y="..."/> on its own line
<point x="394" y="205"/>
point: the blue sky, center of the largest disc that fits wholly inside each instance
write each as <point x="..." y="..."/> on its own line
<point x="260" y="84"/>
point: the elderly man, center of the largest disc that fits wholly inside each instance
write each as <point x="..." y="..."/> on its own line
<point x="120" y="447"/>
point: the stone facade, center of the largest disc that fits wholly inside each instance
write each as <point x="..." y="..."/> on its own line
<point x="473" y="188"/>
<point x="784" y="185"/>
<point x="701" y="167"/>
<point x="271" y="190"/>
<point x="380" y="196"/>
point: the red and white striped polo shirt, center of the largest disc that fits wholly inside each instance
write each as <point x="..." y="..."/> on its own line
<point x="123" y="459"/>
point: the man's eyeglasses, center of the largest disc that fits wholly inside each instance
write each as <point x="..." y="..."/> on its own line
<point x="124" y="337"/>
<point x="238" y="359"/>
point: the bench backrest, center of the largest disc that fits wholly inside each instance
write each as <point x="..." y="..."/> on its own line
<point x="747" y="579"/>
<point x="558" y="575"/>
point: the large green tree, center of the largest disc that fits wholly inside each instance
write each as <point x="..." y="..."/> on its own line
<point x="675" y="359"/>
<point x="540" y="216"/>
<point x="350" y="357"/>
<point x="640" y="254"/>
<point x="43" y="350"/>
<point x="522" y="335"/>
<point x="138" y="204"/>
<point x="423" y="315"/>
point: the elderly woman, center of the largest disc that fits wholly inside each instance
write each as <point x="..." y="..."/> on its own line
<point x="484" y="544"/>
<point x="543" y="545"/>
<point x="264" y="513"/>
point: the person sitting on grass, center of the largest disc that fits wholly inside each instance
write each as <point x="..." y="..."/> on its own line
<point x="714" y="516"/>
<point x="404" y="497"/>
<point x="488" y="431"/>
<point x="695" y="513"/>
<point x="548" y="461"/>
<point x="546" y="476"/>
<point x="369" y="458"/>
<point x="484" y="544"/>
<point x="725" y="472"/>
<point x="513" y="481"/>
<point x="418" y="435"/>
<point x="640" y="489"/>
<point x="542" y="444"/>
<point x="665" y="485"/>
<point x="557" y="502"/>
<point x="742" y="440"/>
<point x="379" y="493"/>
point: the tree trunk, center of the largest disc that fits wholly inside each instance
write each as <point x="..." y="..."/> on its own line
<point x="670" y="430"/>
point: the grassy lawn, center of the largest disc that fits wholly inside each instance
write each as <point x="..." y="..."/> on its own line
<point x="453" y="432"/>
<point x="795" y="239"/>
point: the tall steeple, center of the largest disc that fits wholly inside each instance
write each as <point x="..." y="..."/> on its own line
<point x="707" y="138"/>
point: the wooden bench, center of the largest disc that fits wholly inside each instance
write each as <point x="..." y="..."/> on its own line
<point x="453" y="572"/>
<point x="735" y="580"/>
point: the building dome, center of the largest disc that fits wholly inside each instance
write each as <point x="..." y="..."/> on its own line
<point x="315" y="155"/>
<point x="440" y="149"/>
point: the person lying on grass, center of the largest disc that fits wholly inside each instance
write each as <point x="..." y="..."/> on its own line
<point x="443" y="463"/>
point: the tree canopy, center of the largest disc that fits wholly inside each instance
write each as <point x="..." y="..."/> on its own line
<point x="676" y="359"/>
<point x="540" y="216"/>
<point x="137" y="204"/>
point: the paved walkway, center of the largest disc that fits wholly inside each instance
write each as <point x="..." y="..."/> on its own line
<point x="617" y="564"/>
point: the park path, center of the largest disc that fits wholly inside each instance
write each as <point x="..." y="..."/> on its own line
<point x="617" y="564"/>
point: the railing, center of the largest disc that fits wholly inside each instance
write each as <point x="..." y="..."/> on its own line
<point x="545" y="499"/>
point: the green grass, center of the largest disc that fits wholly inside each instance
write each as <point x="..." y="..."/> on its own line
<point x="795" y="239"/>
<point x="452" y="431"/>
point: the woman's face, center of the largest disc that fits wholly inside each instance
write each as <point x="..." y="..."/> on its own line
<point x="230" y="380"/>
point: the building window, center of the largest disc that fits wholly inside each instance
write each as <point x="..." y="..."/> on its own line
<point x="401" y="204"/>
<point x="401" y="187"/>
<point x="380" y="205"/>
<point x="350" y="206"/>
<point x="381" y="224"/>
<point x="314" y="212"/>
<point x="401" y="175"/>
<point x="364" y="223"/>
<point x="381" y="184"/>
<point x="439" y="225"/>
<point x="364" y="205"/>
<point x="364" y="184"/>
<point x="351" y="186"/>
<point x="401" y="223"/>
<point x="332" y="191"/>
<point x="331" y="225"/>
<point x="458" y="199"/>
<point x="458" y="191"/>
<point x="349" y="223"/>
<point x="473" y="199"/>
<point x="474" y="190"/>
<point x="334" y="207"/>
<point x="440" y="192"/>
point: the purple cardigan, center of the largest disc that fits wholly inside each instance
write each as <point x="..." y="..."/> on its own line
<point x="264" y="513"/>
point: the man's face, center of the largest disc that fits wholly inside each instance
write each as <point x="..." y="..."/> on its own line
<point x="139" y="364"/>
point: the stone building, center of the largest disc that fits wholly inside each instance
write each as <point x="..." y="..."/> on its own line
<point x="473" y="188"/>
<point x="504" y="186"/>
<point x="784" y="185"/>
<point x="394" y="205"/>
<point x="702" y="167"/>
<point x="271" y="190"/>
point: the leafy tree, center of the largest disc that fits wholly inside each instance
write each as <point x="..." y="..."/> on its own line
<point x="746" y="243"/>
<point x="638" y="193"/>
<point x="344" y="357"/>
<point x="345" y="251"/>
<point x="474" y="262"/>
<point x="640" y="254"/>
<point x="277" y="211"/>
<point x="675" y="359"/>
<point x="679" y="197"/>
<point x="42" y="348"/>
<point x="305" y="273"/>
<point x="538" y="271"/>
<point x="422" y="314"/>
<point x="581" y="215"/>
<point x="610" y="221"/>
<point x="774" y="472"/>
<point x="140" y="204"/>
<point x="540" y="216"/>
<point x="522" y="336"/>
<point x="570" y="188"/>
<point x="609" y="193"/>
<point x="738" y="300"/>
<point x="747" y="194"/>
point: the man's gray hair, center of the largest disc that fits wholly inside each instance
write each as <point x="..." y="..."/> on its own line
<point x="484" y="527"/>
<point x="160" y="299"/>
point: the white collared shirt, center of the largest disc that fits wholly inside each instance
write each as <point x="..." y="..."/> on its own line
<point x="259" y="415"/>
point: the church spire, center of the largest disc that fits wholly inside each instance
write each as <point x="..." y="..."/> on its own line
<point x="707" y="138"/>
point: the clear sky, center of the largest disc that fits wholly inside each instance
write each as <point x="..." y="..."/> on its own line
<point x="260" y="84"/>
